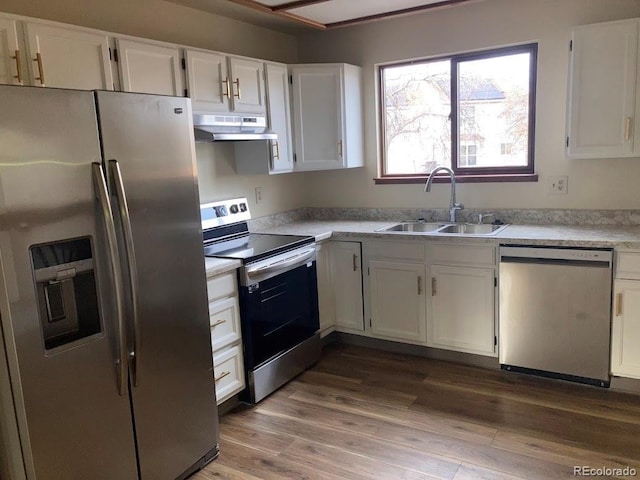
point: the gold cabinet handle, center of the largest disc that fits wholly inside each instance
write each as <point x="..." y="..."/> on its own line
<point x="16" y="57"/>
<point x="226" y="88"/>
<point x="237" y="84"/>
<point x="38" y="60"/>
<point x="340" y="148"/>
<point x="355" y="259"/>
<point x="222" y="375"/>
<point x="276" y="145"/>
<point x="627" y="129"/>
<point x="434" y="289"/>
<point x="219" y="322"/>
<point x="419" y="285"/>
<point x="618" y="304"/>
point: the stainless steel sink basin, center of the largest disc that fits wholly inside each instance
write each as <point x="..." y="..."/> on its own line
<point x="471" y="229"/>
<point x="444" y="228"/>
<point x="413" y="227"/>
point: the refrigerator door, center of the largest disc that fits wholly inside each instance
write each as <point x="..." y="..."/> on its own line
<point x="174" y="404"/>
<point x="57" y="288"/>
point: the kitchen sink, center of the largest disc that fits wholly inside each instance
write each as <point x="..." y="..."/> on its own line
<point x="444" y="228"/>
<point x="471" y="229"/>
<point x="413" y="227"/>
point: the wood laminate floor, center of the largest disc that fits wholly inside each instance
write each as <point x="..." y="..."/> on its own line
<point x="365" y="414"/>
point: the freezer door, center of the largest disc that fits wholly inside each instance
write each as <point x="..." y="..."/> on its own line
<point x="174" y="396"/>
<point x="56" y="290"/>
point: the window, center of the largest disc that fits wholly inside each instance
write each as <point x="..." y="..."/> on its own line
<point x="471" y="112"/>
<point x="467" y="155"/>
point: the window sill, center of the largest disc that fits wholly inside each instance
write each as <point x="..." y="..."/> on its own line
<point x="391" y="180"/>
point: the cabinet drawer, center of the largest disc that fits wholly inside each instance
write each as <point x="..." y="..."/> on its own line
<point x="397" y="250"/>
<point x="463" y="255"/>
<point x="628" y="265"/>
<point x="228" y="369"/>
<point x="224" y="319"/>
<point x="222" y="286"/>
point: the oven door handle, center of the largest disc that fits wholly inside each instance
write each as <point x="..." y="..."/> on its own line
<point x="272" y="269"/>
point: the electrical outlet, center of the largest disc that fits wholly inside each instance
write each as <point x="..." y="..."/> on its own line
<point x="558" y="185"/>
<point x="258" y="195"/>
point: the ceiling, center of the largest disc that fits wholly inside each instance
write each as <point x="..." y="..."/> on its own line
<point x="296" y="15"/>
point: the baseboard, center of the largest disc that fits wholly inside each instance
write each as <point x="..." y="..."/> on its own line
<point x="417" y="350"/>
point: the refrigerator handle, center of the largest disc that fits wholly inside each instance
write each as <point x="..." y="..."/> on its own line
<point x="100" y="186"/>
<point x="123" y="208"/>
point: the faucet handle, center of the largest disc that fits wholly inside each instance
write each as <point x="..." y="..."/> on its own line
<point x="482" y="216"/>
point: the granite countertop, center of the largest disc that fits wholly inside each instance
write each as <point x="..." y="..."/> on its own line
<point x="560" y="235"/>
<point x="216" y="266"/>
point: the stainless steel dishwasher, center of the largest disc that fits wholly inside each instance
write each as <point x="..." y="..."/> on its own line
<point x="555" y="312"/>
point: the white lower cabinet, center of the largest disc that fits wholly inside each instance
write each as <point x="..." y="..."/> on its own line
<point x="397" y="300"/>
<point x="346" y="277"/>
<point x="326" y="304"/>
<point x="226" y="337"/>
<point x="462" y="309"/>
<point x="625" y="329"/>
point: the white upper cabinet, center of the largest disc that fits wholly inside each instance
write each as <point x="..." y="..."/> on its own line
<point x="218" y="83"/>
<point x="279" y="115"/>
<point x="327" y="116"/>
<point x="270" y="156"/>
<point x="68" y="58"/>
<point x="603" y="107"/>
<point x="246" y="78"/>
<point x="150" y="68"/>
<point x="207" y="81"/>
<point x="11" y="58"/>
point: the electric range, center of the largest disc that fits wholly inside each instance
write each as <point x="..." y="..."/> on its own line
<point x="278" y="295"/>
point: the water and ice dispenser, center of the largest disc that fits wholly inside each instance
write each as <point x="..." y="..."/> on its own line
<point x="66" y="289"/>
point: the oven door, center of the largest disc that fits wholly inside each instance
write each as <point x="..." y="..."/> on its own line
<point x="278" y="312"/>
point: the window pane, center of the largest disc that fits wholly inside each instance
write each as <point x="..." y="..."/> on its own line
<point x="417" y="107"/>
<point x="493" y="113"/>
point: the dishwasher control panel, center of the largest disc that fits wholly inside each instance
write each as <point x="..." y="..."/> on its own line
<point x="555" y="253"/>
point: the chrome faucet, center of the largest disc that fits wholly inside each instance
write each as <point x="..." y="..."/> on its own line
<point x="482" y="216"/>
<point x="453" y="206"/>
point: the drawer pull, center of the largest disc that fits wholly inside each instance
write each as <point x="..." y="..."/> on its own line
<point x="219" y="322"/>
<point x="222" y="375"/>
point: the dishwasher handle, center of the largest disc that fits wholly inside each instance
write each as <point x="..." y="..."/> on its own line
<point x="557" y="256"/>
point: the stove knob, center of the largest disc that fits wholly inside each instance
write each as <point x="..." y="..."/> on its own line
<point x="234" y="209"/>
<point x="222" y="211"/>
<point x="243" y="207"/>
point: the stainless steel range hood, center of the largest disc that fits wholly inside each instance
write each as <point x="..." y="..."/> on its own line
<point x="213" y="128"/>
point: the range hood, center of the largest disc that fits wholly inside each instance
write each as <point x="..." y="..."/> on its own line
<point x="213" y="128"/>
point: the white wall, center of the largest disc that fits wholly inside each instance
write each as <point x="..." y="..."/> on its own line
<point x="594" y="184"/>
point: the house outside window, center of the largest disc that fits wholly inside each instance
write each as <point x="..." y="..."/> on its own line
<point x="471" y="112"/>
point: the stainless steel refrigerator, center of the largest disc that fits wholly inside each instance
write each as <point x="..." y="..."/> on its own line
<point x="103" y="301"/>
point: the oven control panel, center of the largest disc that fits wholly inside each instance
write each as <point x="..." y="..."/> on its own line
<point x="224" y="212"/>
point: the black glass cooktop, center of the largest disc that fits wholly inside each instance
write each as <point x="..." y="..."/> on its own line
<point x="255" y="246"/>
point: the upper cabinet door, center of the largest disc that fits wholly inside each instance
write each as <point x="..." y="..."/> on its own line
<point x="317" y="112"/>
<point x="278" y="111"/>
<point x="11" y="58"/>
<point x="208" y="81"/>
<point x="247" y="85"/>
<point x="150" y="68"/>
<point x="602" y="91"/>
<point x="68" y="58"/>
